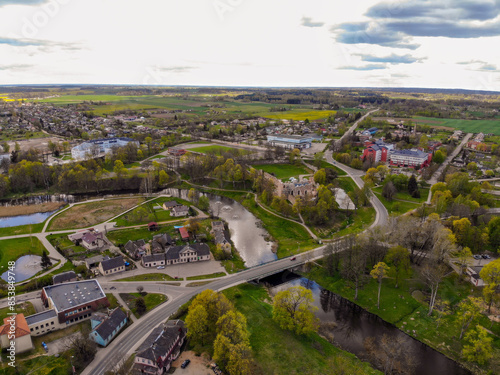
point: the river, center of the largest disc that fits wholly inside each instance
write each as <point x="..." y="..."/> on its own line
<point x="350" y="325"/>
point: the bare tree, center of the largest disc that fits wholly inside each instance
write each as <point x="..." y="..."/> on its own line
<point x="432" y="274"/>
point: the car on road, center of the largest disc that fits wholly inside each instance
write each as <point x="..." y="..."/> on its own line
<point x="293" y="258"/>
<point x="113" y="287"/>
<point x="486" y="256"/>
<point x="477" y="257"/>
<point x="160" y="267"/>
<point x="185" y="363"/>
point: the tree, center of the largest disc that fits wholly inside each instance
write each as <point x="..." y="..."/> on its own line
<point x="318" y="158"/>
<point x="438" y="157"/>
<point x="379" y="272"/>
<point x="468" y="311"/>
<point x="204" y="203"/>
<point x="119" y="168"/>
<point x="197" y="323"/>
<point x="464" y="256"/>
<point x="491" y="276"/>
<point x="494" y="229"/>
<point x="320" y="177"/>
<point x="432" y="274"/>
<point x="83" y="349"/>
<point x="354" y="264"/>
<point x="413" y="186"/>
<point x="45" y="261"/>
<point x="293" y="310"/>
<point x="140" y="289"/>
<point x="389" y="191"/>
<point x="478" y="348"/>
<point x="6" y="147"/>
<point x="399" y="258"/>
<point x="140" y="305"/>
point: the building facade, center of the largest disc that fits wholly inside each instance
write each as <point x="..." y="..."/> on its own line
<point x="290" y="141"/>
<point x="410" y="158"/>
<point x="98" y="147"/>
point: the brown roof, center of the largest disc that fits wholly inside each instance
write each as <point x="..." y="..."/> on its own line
<point x="21" y="324"/>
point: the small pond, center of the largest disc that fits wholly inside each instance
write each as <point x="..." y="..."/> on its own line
<point x="26" y="267"/>
<point x="14" y="221"/>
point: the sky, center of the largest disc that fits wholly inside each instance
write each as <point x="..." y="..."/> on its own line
<point x="290" y="43"/>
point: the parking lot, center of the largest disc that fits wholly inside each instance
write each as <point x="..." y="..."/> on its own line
<point x="198" y="365"/>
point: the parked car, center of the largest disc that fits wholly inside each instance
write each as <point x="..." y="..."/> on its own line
<point x="112" y="288"/>
<point x="293" y="258"/>
<point x="486" y="256"/>
<point x="477" y="257"/>
<point x="160" y="267"/>
<point x="185" y="363"/>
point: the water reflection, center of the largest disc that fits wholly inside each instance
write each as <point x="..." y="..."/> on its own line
<point x="349" y="326"/>
<point x="25" y="267"/>
<point x="35" y="218"/>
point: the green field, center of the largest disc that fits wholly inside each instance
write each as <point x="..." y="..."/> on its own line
<point x="151" y="299"/>
<point x="277" y="351"/>
<point x="468" y="126"/>
<point x="17" y="247"/>
<point x="21" y="229"/>
<point x="218" y="150"/>
<point x="283" y="171"/>
<point x="195" y="105"/>
<point x="397" y="207"/>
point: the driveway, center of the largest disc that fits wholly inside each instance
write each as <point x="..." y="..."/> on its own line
<point x="198" y="365"/>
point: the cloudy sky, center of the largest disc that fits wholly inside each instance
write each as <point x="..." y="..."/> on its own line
<point x="412" y="43"/>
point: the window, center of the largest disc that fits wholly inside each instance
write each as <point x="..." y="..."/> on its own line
<point x="52" y="323"/>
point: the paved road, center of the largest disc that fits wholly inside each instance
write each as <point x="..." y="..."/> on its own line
<point x="382" y="216"/>
<point x="439" y="171"/>
<point x="132" y="337"/>
<point x="349" y="131"/>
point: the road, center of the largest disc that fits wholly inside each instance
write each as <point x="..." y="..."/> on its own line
<point x="382" y="216"/>
<point x="129" y="340"/>
<point x="349" y="131"/>
<point x="439" y="171"/>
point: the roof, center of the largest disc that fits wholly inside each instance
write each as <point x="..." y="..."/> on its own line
<point x="21" y="325"/>
<point x="413" y="153"/>
<point x="40" y="317"/>
<point x="152" y="224"/>
<point x="63" y="277"/>
<point x="112" y="263"/>
<point x="163" y="239"/>
<point x="115" y="319"/>
<point x="217" y="225"/>
<point x="201" y="249"/>
<point x="171" y="204"/>
<point x="293" y="137"/>
<point x="180" y="209"/>
<point x="159" y="341"/>
<point x="184" y="233"/>
<point x="153" y="258"/>
<point x="69" y="295"/>
<point x="96" y="259"/>
<point x="90" y="237"/>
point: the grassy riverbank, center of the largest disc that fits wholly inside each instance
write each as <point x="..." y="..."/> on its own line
<point x="399" y="307"/>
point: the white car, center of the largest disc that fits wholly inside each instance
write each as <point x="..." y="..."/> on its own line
<point x="160" y="267"/>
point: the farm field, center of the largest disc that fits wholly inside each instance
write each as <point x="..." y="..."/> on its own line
<point x="194" y="106"/>
<point x="468" y="126"/>
<point x="88" y="214"/>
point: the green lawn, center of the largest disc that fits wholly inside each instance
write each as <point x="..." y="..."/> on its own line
<point x="25" y="308"/>
<point x="404" y="195"/>
<point x="113" y="301"/>
<point x="277" y="351"/>
<point x="15" y="248"/>
<point x="325" y="164"/>
<point x="468" y="126"/>
<point x="203" y="277"/>
<point x="151" y="299"/>
<point x="150" y="277"/>
<point x="21" y="229"/>
<point x="363" y="217"/>
<point x="219" y="150"/>
<point x="40" y="365"/>
<point x="397" y="207"/>
<point x="397" y="306"/>
<point x="283" y="171"/>
<point x="122" y="236"/>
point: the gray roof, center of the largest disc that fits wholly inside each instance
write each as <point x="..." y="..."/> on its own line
<point x="160" y="340"/>
<point x="106" y="328"/>
<point x="69" y="295"/>
<point x="112" y="263"/>
<point x="200" y="249"/>
<point x="40" y="317"/>
<point x="63" y="277"/>
<point x="153" y="258"/>
<point x="133" y="246"/>
<point x="96" y="259"/>
<point x="171" y="204"/>
<point x="180" y="209"/>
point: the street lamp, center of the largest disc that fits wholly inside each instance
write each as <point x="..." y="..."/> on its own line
<point x="72" y="367"/>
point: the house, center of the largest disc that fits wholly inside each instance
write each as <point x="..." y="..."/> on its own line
<point x="170" y="204"/>
<point x="163" y="346"/>
<point x="161" y="242"/>
<point x="75" y="301"/>
<point x="377" y="151"/>
<point x="291" y="190"/>
<point x="112" y="266"/>
<point x="153" y="260"/>
<point x="179" y="211"/>
<point x="93" y="262"/>
<point x="105" y="327"/>
<point x="15" y="335"/>
<point x="64" y="277"/>
<point x="90" y="239"/>
<point x="220" y="239"/>
<point x="473" y="273"/>
<point x="290" y="141"/>
<point x="176" y="151"/>
<point x="137" y="249"/>
<point x="216" y="226"/>
<point x="184" y="233"/>
<point x="187" y="253"/>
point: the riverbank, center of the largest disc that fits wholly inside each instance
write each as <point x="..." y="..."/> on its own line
<point x="9" y="211"/>
<point x="399" y="307"/>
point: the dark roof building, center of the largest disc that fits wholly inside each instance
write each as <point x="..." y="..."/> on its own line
<point x="106" y="327"/>
<point x="64" y="277"/>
